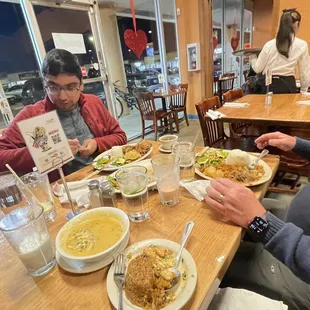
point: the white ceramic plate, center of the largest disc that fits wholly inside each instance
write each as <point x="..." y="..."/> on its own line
<point x="114" y="168"/>
<point x="183" y="293"/>
<point x="265" y="178"/>
<point x="76" y="266"/>
<point x="148" y="165"/>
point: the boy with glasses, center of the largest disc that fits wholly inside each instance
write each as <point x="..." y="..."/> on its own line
<point x="88" y="125"/>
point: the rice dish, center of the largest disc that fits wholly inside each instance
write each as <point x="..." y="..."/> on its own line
<point x="238" y="157"/>
<point x="117" y="152"/>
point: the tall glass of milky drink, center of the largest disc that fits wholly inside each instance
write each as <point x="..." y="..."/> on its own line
<point x="167" y="174"/>
<point x="41" y="189"/>
<point x="26" y="231"/>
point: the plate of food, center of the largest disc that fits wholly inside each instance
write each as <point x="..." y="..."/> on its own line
<point x="120" y="156"/>
<point x="146" y="163"/>
<point x="147" y="263"/>
<point x="233" y="165"/>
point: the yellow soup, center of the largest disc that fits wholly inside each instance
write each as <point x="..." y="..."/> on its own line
<point x="91" y="236"/>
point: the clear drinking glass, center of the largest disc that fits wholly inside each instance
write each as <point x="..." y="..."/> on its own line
<point x="40" y="187"/>
<point x="167" y="174"/>
<point x="186" y="152"/>
<point x="134" y="188"/>
<point x="26" y="231"/>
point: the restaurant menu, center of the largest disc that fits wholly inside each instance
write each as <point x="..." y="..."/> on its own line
<point x="46" y="141"/>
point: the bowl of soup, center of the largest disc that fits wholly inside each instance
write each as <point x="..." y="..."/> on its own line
<point x="93" y="235"/>
<point x="167" y="141"/>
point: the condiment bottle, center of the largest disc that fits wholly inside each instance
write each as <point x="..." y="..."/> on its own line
<point x="108" y="195"/>
<point x="268" y="100"/>
<point x="94" y="194"/>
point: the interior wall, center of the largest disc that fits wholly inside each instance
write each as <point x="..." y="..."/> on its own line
<point x="262" y="22"/>
<point x="194" y="26"/>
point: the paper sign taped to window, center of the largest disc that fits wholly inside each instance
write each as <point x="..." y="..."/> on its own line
<point x="268" y="77"/>
<point x="72" y="42"/>
<point x="46" y="141"/>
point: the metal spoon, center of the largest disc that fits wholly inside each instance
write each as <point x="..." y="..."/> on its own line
<point x="187" y="230"/>
<point x="262" y="154"/>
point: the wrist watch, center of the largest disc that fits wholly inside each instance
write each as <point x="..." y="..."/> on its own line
<point x="259" y="226"/>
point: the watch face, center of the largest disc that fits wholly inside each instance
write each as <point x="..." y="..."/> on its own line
<point x="258" y="226"/>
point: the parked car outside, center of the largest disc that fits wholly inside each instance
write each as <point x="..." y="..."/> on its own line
<point x="14" y="94"/>
<point x="33" y="91"/>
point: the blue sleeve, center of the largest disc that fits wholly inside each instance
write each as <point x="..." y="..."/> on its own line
<point x="288" y="244"/>
<point x="302" y="148"/>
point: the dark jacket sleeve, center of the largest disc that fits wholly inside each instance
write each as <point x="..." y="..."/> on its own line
<point x="13" y="150"/>
<point x="302" y="148"/>
<point x="288" y="244"/>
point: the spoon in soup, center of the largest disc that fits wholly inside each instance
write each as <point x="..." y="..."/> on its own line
<point x="174" y="270"/>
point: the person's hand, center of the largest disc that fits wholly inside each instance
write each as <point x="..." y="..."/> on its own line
<point x="89" y="147"/>
<point x="280" y="140"/>
<point x="74" y="145"/>
<point x="235" y="201"/>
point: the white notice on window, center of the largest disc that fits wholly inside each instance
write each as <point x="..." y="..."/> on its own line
<point x="72" y="42"/>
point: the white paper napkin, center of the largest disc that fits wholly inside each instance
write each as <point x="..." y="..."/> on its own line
<point x="305" y="102"/>
<point x="197" y="188"/>
<point x="215" y="114"/>
<point x="236" y="104"/>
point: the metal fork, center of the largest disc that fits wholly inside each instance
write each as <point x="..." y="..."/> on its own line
<point x="119" y="278"/>
<point x="262" y="154"/>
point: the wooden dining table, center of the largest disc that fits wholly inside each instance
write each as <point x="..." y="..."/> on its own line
<point x="284" y="111"/>
<point x="212" y="244"/>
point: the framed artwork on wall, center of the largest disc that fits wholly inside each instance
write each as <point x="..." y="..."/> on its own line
<point x="193" y="57"/>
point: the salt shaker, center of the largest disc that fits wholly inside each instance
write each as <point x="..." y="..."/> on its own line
<point x="94" y="195"/>
<point x="268" y="100"/>
<point x="108" y="195"/>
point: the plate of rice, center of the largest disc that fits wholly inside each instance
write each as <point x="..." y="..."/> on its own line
<point x="233" y="165"/>
<point x="147" y="280"/>
<point x="120" y="156"/>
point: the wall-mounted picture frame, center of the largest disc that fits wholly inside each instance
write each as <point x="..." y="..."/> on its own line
<point x="193" y="57"/>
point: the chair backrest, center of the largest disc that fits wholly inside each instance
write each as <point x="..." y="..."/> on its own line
<point x="212" y="131"/>
<point x="177" y="87"/>
<point x="177" y="100"/>
<point x="226" y="82"/>
<point x="146" y="104"/>
<point x="232" y="95"/>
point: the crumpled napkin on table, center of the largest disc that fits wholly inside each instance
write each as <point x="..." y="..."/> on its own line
<point x="197" y="188"/>
<point x="215" y="114"/>
<point x="236" y="104"/>
<point x="305" y="102"/>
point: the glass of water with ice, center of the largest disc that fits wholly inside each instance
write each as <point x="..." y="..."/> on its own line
<point x="26" y="231"/>
<point x="186" y="153"/>
<point x="134" y="188"/>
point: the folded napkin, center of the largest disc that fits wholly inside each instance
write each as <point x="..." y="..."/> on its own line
<point x="215" y="114"/>
<point x="197" y="188"/>
<point x="241" y="299"/>
<point x="236" y="104"/>
<point x="305" y="102"/>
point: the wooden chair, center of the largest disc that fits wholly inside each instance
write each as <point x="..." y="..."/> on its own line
<point x="225" y="83"/>
<point x="177" y="103"/>
<point x="213" y="131"/>
<point x="239" y="129"/>
<point x="146" y="105"/>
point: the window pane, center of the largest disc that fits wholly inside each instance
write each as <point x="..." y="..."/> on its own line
<point x="17" y="59"/>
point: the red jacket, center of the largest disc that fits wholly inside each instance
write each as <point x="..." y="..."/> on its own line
<point x="103" y="126"/>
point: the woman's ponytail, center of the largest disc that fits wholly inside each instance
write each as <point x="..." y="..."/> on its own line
<point x="286" y="31"/>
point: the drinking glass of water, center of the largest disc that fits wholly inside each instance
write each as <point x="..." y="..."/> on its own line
<point x="134" y="188"/>
<point x="26" y="231"/>
<point x="186" y="152"/>
<point x="40" y="187"/>
<point x="167" y="174"/>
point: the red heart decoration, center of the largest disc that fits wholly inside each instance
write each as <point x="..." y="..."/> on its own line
<point x="234" y="43"/>
<point x="215" y="42"/>
<point x="137" y="43"/>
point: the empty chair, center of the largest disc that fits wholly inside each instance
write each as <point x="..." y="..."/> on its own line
<point x="177" y="103"/>
<point x="213" y="131"/>
<point x="148" y="112"/>
<point x="225" y="83"/>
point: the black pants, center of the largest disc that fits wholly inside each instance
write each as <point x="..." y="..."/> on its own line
<point x="280" y="85"/>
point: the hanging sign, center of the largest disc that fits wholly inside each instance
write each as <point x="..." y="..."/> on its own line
<point x="46" y="141"/>
<point x="234" y="40"/>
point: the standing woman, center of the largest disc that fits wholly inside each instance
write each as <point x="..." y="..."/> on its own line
<point x="282" y="55"/>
